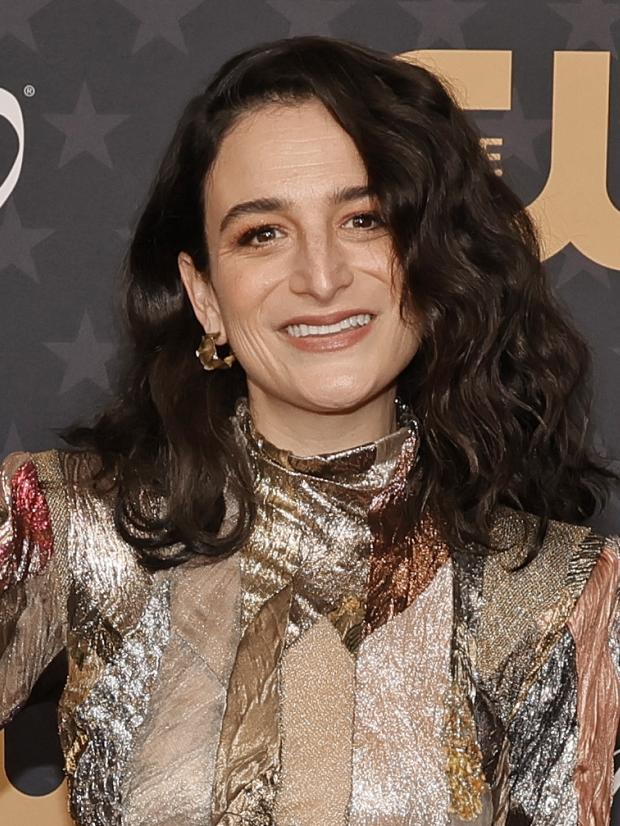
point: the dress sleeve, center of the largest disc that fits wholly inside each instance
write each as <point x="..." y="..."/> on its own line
<point x="595" y="628"/>
<point x="32" y="575"/>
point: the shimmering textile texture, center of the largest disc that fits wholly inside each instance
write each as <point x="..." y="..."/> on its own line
<point x="34" y="578"/>
<point x="174" y="754"/>
<point x="543" y="743"/>
<point x="248" y="758"/>
<point x="318" y="693"/>
<point x="28" y="548"/>
<point x="542" y="586"/>
<point x="400" y="568"/>
<point x="597" y="687"/>
<point x="343" y="667"/>
<point x="312" y="527"/>
<point x="113" y="711"/>
<point x="403" y="675"/>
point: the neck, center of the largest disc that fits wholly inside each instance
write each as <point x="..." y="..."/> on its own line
<point x="309" y="433"/>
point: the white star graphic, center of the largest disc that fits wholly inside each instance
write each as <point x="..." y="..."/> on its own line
<point x="15" y="19"/>
<point x="16" y="242"/>
<point x="85" y="129"/>
<point x="591" y="21"/>
<point x="160" y="18"/>
<point x="85" y="357"/>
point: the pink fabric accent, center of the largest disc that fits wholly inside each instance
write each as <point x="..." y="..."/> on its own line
<point x="31" y="543"/>
<point x="598" y="691"/>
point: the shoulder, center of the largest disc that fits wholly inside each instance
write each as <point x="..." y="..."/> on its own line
<point x="42" y="492"/>
<point x="49" y="469"/>
<point x="33" y="514"/>
<point x="55" y="479"/>
<point x="561" y="560"/>
<point x="522" y="608"/>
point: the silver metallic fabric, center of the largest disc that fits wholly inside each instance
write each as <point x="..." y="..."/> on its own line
<point x="403" y="675"/>
<point x="543" y="743"/>
<point x="113" y="711"/>
<point x="340" y="663"/>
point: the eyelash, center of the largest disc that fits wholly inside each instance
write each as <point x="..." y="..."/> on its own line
<point x="248" y="235"/>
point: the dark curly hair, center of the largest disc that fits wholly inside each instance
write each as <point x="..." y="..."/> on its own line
<point x="500" y="381"/>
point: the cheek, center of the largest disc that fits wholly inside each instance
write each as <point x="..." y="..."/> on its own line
<point x="244" y="289"/>
<point x="406" y="335"/>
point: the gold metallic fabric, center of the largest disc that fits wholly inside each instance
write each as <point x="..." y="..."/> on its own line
<point x="312" y="527"/>
<point x="33" y="577"/>
<point x="247" y="765"/>
<point x="342" y="662"/>
<point x="318" y="695"/>
<point x="468" y="787"/>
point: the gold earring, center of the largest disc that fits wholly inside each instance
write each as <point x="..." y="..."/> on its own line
<point x="207" y="353"/>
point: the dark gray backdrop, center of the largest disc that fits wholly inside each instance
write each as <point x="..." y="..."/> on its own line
<point x="101" y="83"/>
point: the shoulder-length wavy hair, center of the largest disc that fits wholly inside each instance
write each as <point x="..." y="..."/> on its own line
<point x="500" y="380"/>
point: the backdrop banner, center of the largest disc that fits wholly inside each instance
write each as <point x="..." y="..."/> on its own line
<point x="89" y="96"/>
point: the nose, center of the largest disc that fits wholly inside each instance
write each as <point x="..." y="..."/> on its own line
<point x="320" y="269"/>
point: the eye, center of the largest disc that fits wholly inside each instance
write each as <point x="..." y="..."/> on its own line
<point x="365" y="220"/>
<point x="258" y="236"/>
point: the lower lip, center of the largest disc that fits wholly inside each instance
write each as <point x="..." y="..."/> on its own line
<point x="332" y="341"/>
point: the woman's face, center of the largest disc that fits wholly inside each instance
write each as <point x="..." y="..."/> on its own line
<point x="300" y="283"/>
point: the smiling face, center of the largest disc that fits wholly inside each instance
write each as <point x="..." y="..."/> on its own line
<point x="300" y="281"/>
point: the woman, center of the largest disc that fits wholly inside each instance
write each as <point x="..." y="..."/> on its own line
<point x="339" y="575"/>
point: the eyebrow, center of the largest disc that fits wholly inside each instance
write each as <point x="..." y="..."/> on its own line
<point x="339" y="196"/>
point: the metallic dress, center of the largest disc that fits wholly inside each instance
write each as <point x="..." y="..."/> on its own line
<point x="341" y="668"/>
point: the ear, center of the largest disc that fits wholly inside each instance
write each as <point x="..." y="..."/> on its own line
<point x="202" y="297"/>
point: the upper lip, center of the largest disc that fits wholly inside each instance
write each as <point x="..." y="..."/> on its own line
<point x="325" y="318"/>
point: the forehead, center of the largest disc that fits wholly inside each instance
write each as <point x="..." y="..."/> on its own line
<point x="283" y="149"/>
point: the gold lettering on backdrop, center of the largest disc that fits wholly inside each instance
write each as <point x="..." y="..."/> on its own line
<point x="494" y="157"/>
<point x="480" y="79"/>
<point x="18" y="809"/>
<point x="574" y="205"/>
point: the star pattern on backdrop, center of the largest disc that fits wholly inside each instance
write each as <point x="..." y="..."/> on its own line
<point x="17" y="242"/>
<point x="518" y="132"/>
<point x="85" y="129"/>
<point x="85" y="357"/>
<point x="311" y="16"/>
<point x="160" y="18"/>
<point x="591" y="22"/>
<point x="441" y="20"/>
<point x="15" y="19"/>
<point x="573" y="263"/>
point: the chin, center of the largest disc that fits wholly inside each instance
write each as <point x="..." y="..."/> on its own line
<point x="338" y="396"/>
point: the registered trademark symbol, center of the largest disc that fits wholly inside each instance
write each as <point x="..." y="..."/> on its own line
<point x="29" y="90"/>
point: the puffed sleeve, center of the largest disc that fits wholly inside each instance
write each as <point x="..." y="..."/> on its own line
<point x="33" y="573"/>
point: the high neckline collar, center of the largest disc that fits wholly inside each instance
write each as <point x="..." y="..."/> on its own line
<point x="349" y="466"/>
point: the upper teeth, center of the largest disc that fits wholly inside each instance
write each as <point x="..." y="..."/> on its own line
<point x="299" y="330"/>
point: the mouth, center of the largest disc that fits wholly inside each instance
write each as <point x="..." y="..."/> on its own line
<point x="334" y="332"/>
<point x="350" y="322"/>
